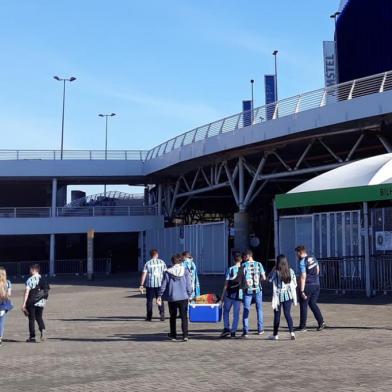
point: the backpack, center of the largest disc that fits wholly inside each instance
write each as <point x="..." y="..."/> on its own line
<point x="41" y="291"/>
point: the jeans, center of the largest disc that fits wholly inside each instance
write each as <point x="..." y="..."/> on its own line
<point x="151" y="294"/>
<point x="287" y="314"/>
<point x="182" y="306"/>
<point x="227" y="305"/>
<point x="258" y="299"/>
<point x="312" y="293"/>
<point x="35" y="315"/>
<point x="2" y="325"/>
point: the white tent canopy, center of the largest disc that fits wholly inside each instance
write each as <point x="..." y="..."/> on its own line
<point x="371" y="171"/>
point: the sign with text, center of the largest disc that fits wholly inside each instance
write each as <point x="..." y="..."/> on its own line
<point x="330" y="63"/>
<point x="270" y="95"/>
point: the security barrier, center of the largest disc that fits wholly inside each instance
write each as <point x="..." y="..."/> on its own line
<point x="348" y="274"/>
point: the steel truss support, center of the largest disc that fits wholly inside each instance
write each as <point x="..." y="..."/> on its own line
<point x="246" y="181"/>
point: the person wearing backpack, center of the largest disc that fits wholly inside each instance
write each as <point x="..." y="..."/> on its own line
<point x="309" y="289"/>
<point x="5" y="303"/>
<point x="253" y="274"/>
<point x="231" y="298"/>
<point x="284" y="294"/>
<point x="35" y="297"/>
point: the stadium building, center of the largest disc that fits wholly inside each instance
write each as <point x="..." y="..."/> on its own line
<point x="209" y="190"/>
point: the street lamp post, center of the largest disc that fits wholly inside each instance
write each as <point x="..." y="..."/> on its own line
<point x="106" y="139"/>
<point x="275" y="54"/>
<point x="71" y="79"/>
<point x="253" y="106"/>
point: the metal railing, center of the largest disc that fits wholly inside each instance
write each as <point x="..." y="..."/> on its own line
<point x="46" y="212"/>
<point x="25" y="212"/>
<point x="102" y="197"/>
<point x="61" y="267"/>
<point x="106" y="211"/>
<point x="19" y="155"/>
<point x="381" y="273"/>
<point x="343" y="274"/>
<point x="286" y="107"/>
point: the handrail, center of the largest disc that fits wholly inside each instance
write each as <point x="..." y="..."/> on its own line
<point x="45" y="212"/>
<point x="102" y="197"/>
<point x="21" y="155"/>
<point x="286" y="107"/>
<point x="292" y="106"/>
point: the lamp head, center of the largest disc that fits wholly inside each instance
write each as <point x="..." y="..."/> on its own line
<point x="56" y="77"/>
<point x="275" y="52"/>
<point x="71" y="79"/>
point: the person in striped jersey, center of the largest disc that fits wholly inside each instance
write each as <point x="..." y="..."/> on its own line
<point x="284" y="294"/>
<point x="151" y="279"/>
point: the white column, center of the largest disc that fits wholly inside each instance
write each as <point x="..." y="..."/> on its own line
<point x="367" y="250"/>
<point x="52" y="255"/>
<point x="90" y="254"/>
<point x="54" y="196"/>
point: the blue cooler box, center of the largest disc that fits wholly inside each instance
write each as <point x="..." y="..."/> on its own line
<point x="205" y="313"/>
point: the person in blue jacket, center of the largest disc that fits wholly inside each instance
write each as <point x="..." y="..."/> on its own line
<point x="176" y="289"/>
<point x="189" y="264"/>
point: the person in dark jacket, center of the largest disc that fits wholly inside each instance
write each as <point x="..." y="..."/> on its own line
<point x="176" y="288"/>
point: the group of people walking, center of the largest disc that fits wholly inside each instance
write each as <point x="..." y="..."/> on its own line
<point x="34" y="300"/>
<point x="179" y="285"/>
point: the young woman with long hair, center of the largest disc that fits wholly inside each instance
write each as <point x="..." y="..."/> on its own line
<point x="5" y="303"/>
<point x="284" y="294"/>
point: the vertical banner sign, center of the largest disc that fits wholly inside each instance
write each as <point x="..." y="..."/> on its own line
<point x="247" y="116"/>
<point x="90" y="254"/>
<point x="270" y="95"/>
<point x="330" y="65"/>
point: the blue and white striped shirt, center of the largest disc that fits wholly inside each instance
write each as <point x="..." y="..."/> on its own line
<point x="154" y="269"/>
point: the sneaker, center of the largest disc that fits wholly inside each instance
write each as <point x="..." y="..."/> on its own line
<point x="260" y="333"/>
<point x="232" y="335"/>
<point x="225" y="334"/>
<point x="273" y="337"/>
<point x="245" y="335"/>
<point x="31" y="340"/>
<point x="171" y="337"/>
<point x="292" y="335"/>
<point x="43" y="336"/>
<point x="147" y="319"/>
<point x="185" y="339"/>
<point x="321" y="327"/>
<point x="162" y="318"/>
<point x="300" y="329"/>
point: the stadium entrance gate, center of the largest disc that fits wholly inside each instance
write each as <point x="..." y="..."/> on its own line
<point x="208" y="244"/>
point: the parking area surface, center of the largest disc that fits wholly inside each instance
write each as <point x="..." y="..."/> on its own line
<point x="98" y="341"/>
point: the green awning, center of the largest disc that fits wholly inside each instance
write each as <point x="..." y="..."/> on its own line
<point x="334" y="196"/>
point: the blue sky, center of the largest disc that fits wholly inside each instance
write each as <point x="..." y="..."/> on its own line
<point x="163" y="66"/>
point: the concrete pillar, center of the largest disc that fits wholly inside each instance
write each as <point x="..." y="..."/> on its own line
<point x="54" y="196"/>
<point x="241" y="231"/>
<point x="52" y="255"/>
<point x="367" y="249"/>
<point x="90" y="254"/>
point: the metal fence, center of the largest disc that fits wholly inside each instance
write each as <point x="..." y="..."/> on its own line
<point x="348" y="274"/>
<point x="21" y="269"/>
<point x="46" y="212"/>
<point x="286" y="107"/>
<point x="73" y="154"/>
